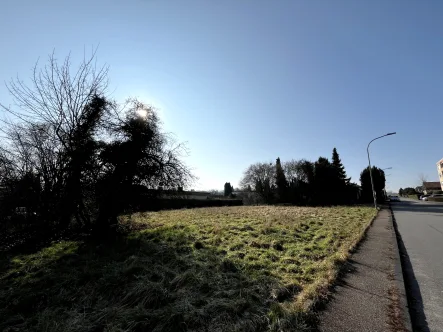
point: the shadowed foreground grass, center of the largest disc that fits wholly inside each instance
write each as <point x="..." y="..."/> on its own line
<point x="211" y="269"/>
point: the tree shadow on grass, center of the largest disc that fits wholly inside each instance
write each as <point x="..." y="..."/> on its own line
<point x="148" y="281"/>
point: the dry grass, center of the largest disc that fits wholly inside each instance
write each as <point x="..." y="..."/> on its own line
<point x="395" y="312"/>
<point x="212" y="269"/>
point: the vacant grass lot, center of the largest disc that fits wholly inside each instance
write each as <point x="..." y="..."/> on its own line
<point x="210" y="269"/>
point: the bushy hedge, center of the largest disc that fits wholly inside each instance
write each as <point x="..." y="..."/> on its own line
<point x="435" y="199"/>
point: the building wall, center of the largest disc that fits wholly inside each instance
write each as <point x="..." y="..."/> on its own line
<point x="440" y="172"/>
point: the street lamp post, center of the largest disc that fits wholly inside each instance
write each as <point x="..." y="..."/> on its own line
<point x="383" y="169"/>
<point x="386" y="193"/>
<point x="370" y="168"/>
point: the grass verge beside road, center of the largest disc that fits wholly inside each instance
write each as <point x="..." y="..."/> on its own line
<point x="211" y="269"/>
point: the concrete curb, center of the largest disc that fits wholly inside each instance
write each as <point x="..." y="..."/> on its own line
<point x="399" y="276"/>
<point x="367" y="298"/>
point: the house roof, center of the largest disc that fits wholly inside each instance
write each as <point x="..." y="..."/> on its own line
<point x="432" y="185"/>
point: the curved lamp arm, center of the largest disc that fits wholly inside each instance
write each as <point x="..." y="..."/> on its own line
<point x="370" y="168"/>
<point x="380" y="137"/>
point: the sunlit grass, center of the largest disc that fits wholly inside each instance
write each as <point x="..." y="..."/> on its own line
<point x="213" y="269"/>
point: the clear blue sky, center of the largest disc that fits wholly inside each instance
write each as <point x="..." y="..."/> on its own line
<point x="247" y="81"/>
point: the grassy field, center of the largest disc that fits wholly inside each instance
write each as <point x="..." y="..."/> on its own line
<point x="211" y="269"/>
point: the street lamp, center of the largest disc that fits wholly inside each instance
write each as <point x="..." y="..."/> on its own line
<point x="370" y="168"/>
<point x="385" y="178"/>
<point x="383" y="169"/>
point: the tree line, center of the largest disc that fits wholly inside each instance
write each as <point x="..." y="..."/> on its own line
<point x="303" y="182"/>
<point x="71" y="155"/>
<point x="409" y="191"/>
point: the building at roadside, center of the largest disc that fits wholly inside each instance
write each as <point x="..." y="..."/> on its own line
<point x="430" y="187"/>
<point x="440" y="172"/>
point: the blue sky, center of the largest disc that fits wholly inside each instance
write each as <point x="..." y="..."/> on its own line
<point x="247" y="81"/>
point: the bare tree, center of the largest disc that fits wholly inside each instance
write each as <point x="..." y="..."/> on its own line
<point x="260" y="177"/>
<point x="299" y="170"/>
<point x="258" y="172"/>
<point x="82" y="147"/>
<point x="55" y="118"/>
<point x="57" y="96"/>
<point x="422" y="178"/>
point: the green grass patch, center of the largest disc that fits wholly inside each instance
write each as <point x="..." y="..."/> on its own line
<point x="211" y="269"/>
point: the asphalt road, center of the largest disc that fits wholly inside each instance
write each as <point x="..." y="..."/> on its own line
<point x="420" y="225"/>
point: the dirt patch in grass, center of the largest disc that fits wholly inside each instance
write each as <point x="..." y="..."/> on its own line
<point x="212" y="269"/>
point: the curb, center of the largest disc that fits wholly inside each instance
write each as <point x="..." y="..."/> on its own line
<point x="400" y="276"/>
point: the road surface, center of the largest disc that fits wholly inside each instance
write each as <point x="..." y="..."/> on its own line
<point x="420" y="225"/>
